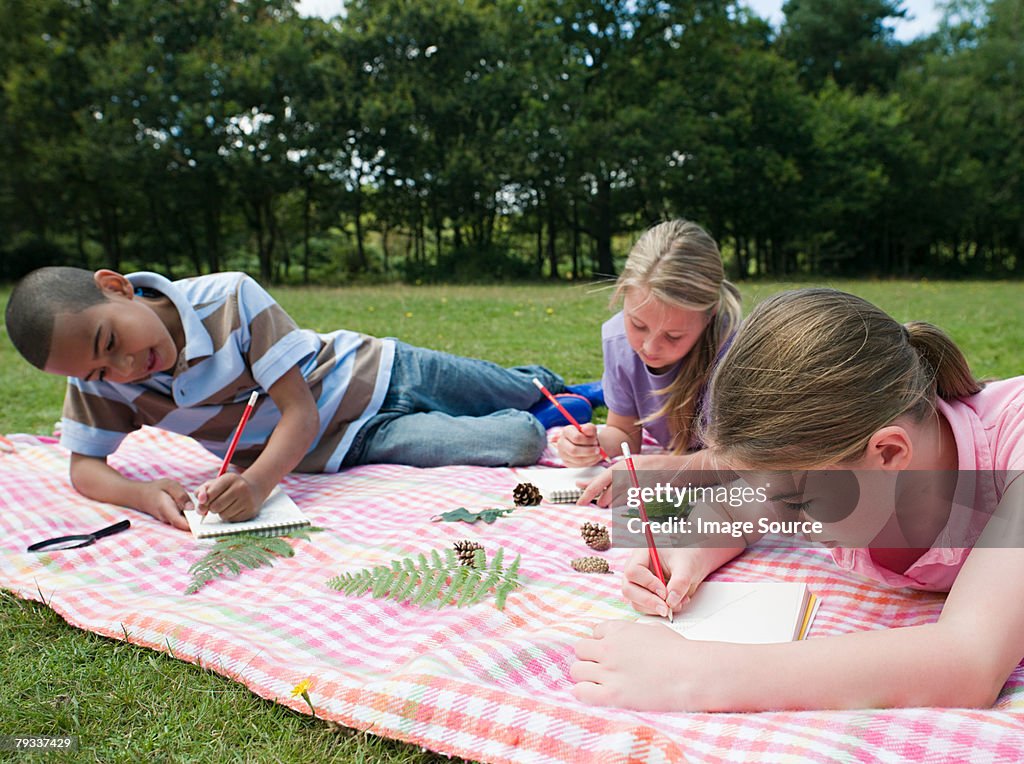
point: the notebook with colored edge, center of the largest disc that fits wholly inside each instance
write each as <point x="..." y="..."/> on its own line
<point x="747" y="613"/>
<point x="278" y="515"/>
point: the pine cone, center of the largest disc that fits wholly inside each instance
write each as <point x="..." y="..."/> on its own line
<point x="526" y="495"/>
<point x="590" y="565"/>
<point x="465" y="550"/>
<point x="596" y="536"/>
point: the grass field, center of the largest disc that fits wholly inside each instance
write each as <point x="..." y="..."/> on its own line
<point x="128" y="703"/>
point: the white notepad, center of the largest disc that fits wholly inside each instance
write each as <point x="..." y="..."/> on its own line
<point x="747" y="613"/>
<point x="558" y="485"/>
<point x="278" y="515"/>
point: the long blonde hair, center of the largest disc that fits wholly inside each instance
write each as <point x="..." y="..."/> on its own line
<point x="680" y="265"/>
<point x="814" y="373"/>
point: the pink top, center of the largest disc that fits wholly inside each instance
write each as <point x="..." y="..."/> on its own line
<point x="989" y="432"/>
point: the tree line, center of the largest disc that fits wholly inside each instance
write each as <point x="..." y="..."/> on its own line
<point x="509" y="138"/>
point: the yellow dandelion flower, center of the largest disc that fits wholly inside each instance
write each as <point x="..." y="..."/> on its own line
<point x="408" y="314"/>
<point x="301" y="688"/>
<point x="550" y="311"/>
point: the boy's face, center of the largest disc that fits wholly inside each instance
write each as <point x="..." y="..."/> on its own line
<point x="121" y="339"/>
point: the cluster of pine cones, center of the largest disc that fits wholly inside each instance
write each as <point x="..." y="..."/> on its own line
<point x="596" y="536"/>
<point x="524" y="495"/>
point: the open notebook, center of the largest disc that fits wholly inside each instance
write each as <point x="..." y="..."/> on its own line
<point x="278" y="515"/>
<point x="558" y="485"/>
<point x="749" y="613"/>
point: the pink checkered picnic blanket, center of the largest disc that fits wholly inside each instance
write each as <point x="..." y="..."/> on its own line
<point x="477" y="682"/>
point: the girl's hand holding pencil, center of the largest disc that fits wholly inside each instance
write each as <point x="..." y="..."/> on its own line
<point x="579" y="446"/>
<point x="685" y="570"/>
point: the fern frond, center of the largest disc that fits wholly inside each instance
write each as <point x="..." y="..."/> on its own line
<point x="233" y="554"/>
<point x="435" y="580"/>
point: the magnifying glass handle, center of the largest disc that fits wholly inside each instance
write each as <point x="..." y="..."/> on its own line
<point x="110" y="530"/>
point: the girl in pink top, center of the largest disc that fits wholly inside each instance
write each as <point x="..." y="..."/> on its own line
<point x="677" y="312"/>
<point x="819" y="380"/>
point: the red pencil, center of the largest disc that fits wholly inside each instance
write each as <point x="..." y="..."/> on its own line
<point x="655" y="559"/>
<point x="566" y="414"/>
<point x="234" y="440"/>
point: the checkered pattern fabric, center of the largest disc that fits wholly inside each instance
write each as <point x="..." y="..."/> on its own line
<point x="480" y="683"/>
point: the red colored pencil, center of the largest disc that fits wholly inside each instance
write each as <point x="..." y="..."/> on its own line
<point x="655" y="559"/>
<point x="234" y="440"/>
<point x="566" y="414"/>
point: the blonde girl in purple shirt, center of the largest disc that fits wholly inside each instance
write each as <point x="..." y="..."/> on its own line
<point x="820" y="380"/>
<point x="677" y="312"/>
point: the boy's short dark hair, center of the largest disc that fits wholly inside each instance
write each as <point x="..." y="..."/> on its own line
<point x="37" y="299"/>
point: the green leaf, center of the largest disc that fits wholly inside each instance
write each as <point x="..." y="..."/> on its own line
<point x="464" y="515"/>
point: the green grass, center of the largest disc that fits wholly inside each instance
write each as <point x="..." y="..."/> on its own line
<point x="128" y="703"/>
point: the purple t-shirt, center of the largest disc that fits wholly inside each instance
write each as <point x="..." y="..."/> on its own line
<point x="629" y="386"/>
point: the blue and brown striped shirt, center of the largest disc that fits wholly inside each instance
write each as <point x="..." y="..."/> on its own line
<point x="237" y="339"/>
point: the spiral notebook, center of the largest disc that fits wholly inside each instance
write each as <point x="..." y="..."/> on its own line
<point x="558" y="485"/>
<point x="278" y="515"/>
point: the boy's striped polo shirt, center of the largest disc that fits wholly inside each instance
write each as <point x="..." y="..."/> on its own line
<point x="237" y="339"/>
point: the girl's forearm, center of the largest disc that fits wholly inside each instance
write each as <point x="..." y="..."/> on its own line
<point x="611" y="438"/>
<point x="917" y="666"/>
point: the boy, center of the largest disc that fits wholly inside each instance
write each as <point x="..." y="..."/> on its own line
<point x="185" y="355"/>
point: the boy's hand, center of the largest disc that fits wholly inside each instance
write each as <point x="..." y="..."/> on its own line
<point x="231" y="496"/>
<point x="685" y="568"/>
<point x="165" y="500"/>
<point x="579" y="449"/>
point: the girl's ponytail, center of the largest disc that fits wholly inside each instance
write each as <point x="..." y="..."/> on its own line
<point x="814" y="373"/>
<point x="953" y="378"/>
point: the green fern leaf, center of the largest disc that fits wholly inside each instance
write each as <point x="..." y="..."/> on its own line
<point x="233" y="554"/>
<point x="381" y="582"/>
<point x="402" y="588"/>
<point x="427" y="588"/>
<point x="433" y="580"/>
<point x="468" y="591"/>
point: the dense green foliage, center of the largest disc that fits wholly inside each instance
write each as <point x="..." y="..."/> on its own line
<point x="490" y="138"/>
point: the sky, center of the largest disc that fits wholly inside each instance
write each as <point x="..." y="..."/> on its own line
<point x="924" y="16"/>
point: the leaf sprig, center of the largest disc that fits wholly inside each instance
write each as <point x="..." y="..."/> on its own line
<point x="464" y="515"/>
<point x="435" y="581"/>
<point x="233" y="554"/>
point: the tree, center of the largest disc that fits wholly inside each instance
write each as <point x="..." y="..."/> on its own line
<point x="845" y="40"/>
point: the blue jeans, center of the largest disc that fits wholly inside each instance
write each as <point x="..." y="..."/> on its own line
<point x="443" y="409"/>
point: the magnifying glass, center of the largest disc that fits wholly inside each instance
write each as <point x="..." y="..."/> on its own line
<point x="78" y="540"/>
